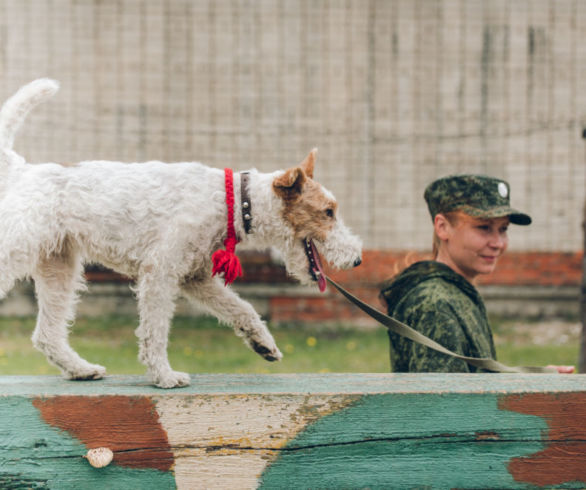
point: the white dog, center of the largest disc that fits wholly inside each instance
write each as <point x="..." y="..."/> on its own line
<point x="159" y="224"/>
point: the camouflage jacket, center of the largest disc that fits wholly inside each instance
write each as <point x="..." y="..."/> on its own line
<point x="433" y="299"/>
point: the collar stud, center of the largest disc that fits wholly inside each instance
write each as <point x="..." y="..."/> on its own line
<point x="246" y="202"/>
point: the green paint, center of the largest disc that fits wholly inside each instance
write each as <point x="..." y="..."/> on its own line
<point x="406" y="441"/>
<point x="9" y="482"/>
<point x="36" y="455"/>
<point x="405" y="430"/>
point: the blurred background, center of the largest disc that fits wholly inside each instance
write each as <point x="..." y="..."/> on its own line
<point x="394" y="93"/>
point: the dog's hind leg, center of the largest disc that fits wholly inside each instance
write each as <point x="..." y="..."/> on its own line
<point x="156" y="304"/>
<point x="15" y="264"/>
<point x="57" y="280"/>
<point x="7" y="279"/>
<point x="229" y="308"/>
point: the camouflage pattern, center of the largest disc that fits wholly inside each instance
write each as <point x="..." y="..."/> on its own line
<point x="479" y="196"/>
<point x="436" y="301"/>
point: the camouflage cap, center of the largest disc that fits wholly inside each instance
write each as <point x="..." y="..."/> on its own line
<point x="479" y="196"/>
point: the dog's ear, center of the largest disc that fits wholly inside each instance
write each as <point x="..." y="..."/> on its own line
<point x="290" y="182"/>
<point x="309" y="162"/>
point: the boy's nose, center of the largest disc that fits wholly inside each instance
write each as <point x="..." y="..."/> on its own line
<point x="498" y="241"/>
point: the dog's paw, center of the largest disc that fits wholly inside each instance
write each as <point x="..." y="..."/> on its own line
<point x="172" y="379"/>
<point x="86" y="372"/>
<point x="259" y="339"/>
<point x="269" y="353"/>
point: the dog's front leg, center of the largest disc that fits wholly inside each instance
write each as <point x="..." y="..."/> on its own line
<point x="156" y="304"/>
<point x="229" y="308"/>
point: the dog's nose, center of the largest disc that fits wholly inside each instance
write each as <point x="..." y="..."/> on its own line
<point x="357" y="262"/>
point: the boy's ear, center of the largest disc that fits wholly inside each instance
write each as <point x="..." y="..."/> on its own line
<point x="441" y="226"/>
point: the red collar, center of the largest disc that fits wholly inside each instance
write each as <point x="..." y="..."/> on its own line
<point x="226" y="261"/>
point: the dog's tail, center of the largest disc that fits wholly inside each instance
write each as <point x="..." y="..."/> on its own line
<point x="16" y="108"/>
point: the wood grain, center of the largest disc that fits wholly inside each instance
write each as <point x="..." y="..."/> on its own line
<point x="301" y="431"/>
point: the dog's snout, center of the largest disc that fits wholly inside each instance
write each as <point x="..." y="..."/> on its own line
<point x="357" y="262"/>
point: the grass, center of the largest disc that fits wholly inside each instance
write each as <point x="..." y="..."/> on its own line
<point x="202" y="346"/>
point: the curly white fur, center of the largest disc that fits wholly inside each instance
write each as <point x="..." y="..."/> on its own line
<point x="157" y="223"/>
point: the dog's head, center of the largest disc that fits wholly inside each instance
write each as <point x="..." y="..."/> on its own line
<point x="311" y="211"/>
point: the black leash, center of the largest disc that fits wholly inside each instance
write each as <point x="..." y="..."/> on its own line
<point x="400" y="328"/>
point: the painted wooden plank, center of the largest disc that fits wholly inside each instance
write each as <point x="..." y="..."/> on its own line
<point x="345" y="383"/>
<point x="302" y="431"/>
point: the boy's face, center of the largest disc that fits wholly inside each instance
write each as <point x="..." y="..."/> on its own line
<point x="472" y="246"/>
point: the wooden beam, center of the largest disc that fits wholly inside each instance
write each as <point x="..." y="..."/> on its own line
<point x="297" y="431"/>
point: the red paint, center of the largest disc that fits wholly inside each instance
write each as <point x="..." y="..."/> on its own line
<point x="564" y="458"/>
<point x="129" y="426"/>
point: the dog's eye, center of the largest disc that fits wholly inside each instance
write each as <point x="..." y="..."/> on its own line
<point x="330" y="213"/>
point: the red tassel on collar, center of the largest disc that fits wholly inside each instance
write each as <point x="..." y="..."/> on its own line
<point x="225" y="260"/>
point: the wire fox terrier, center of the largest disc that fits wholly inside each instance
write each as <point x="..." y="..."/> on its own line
<point x="158" y="224"/>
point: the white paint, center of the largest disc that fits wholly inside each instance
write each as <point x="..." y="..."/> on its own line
<point x="227" y="441"/>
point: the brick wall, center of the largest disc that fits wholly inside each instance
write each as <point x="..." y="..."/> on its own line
<point x="286" y="303"/>
<point x="551" y="271"/>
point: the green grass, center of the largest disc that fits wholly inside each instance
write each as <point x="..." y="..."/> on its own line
<point x="202" y="346"/>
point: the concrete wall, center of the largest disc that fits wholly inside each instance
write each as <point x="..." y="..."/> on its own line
<point x="393" y="92"/>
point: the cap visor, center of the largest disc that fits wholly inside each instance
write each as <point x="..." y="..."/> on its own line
<point x="520" y="219"/>
<point x="516" y="217"/>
